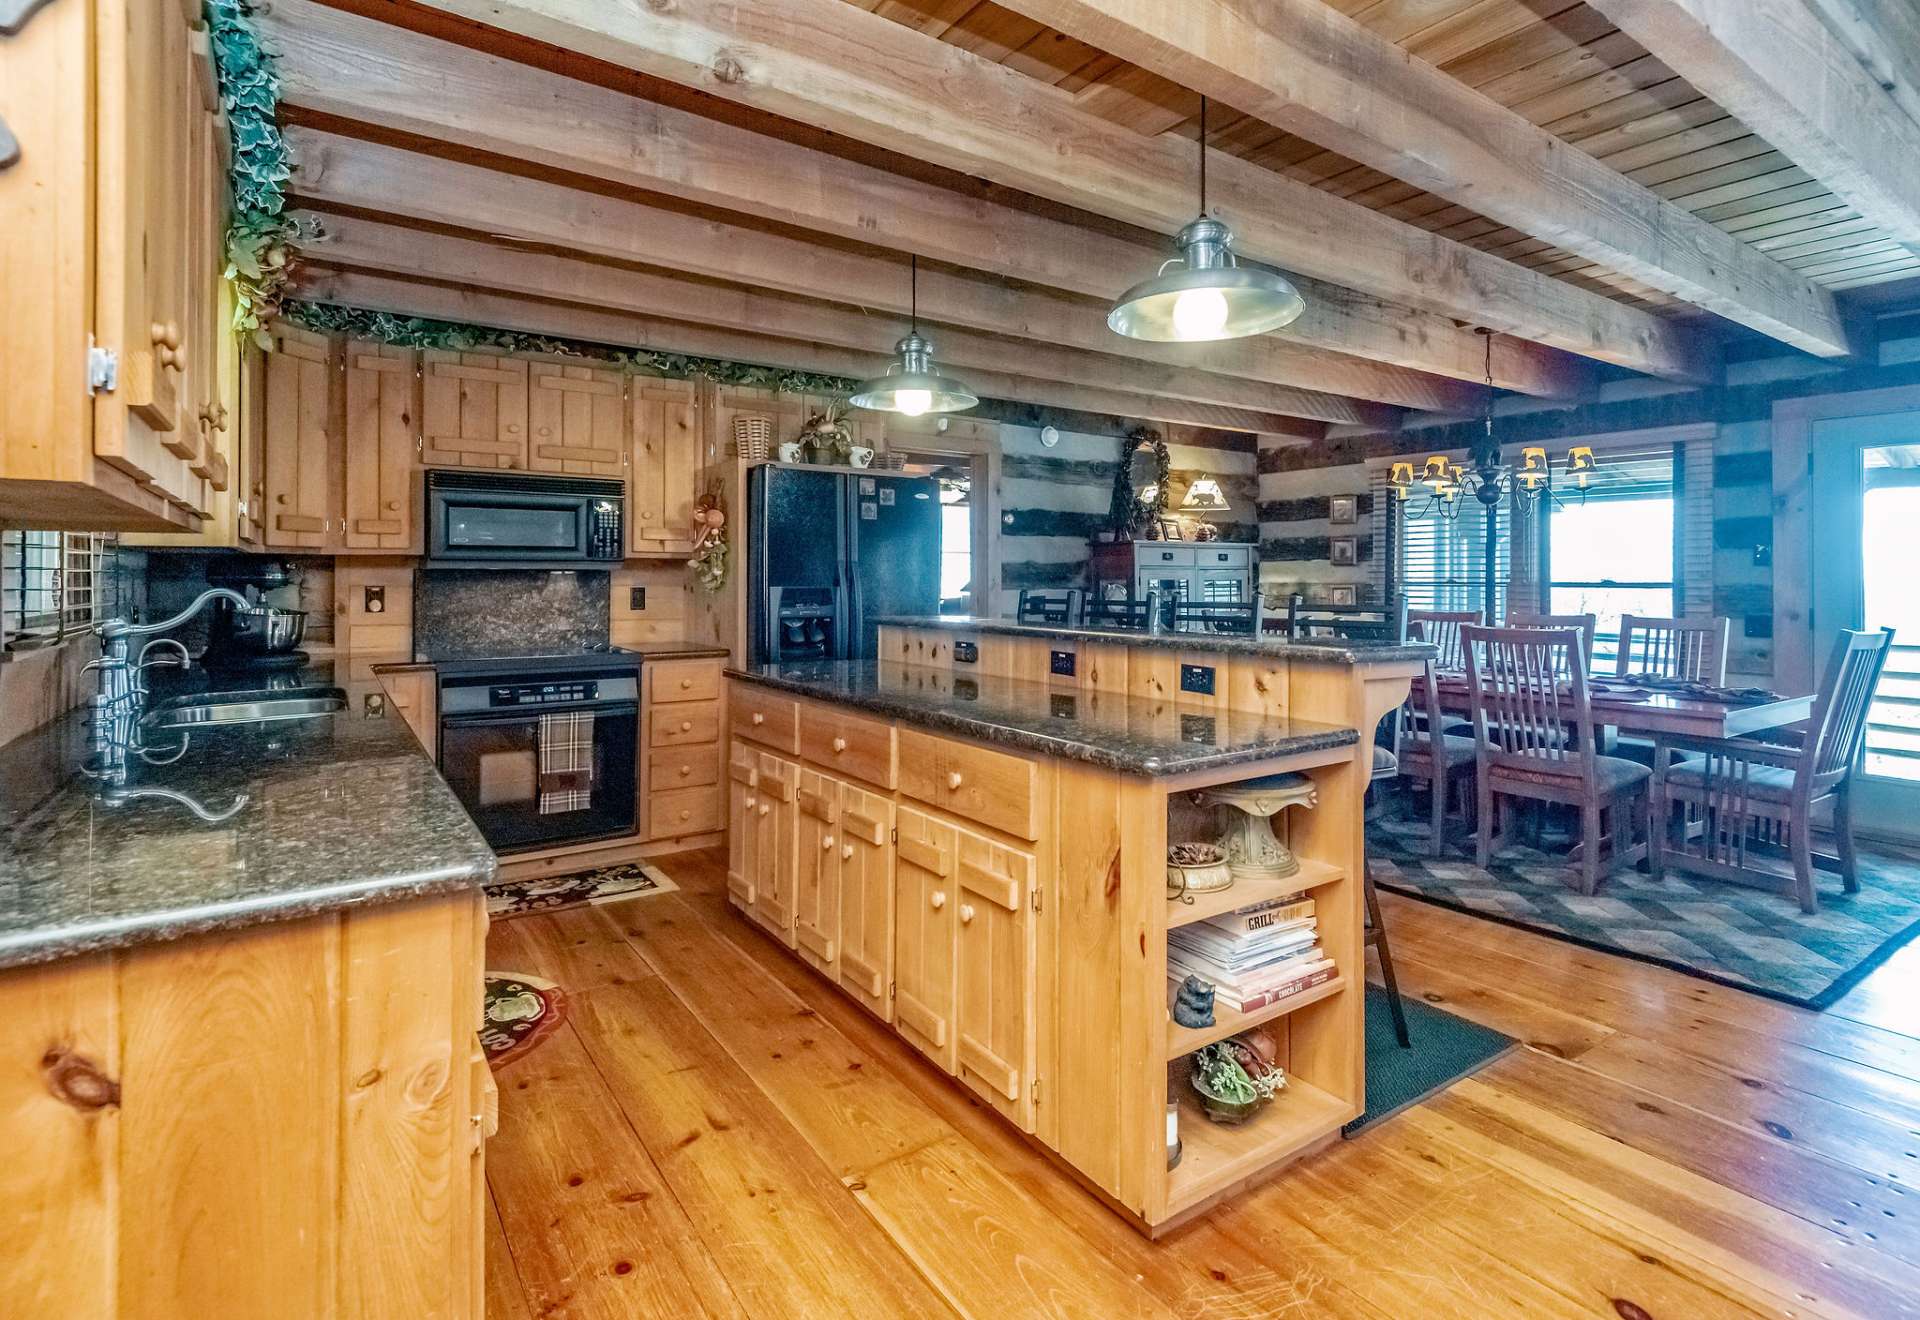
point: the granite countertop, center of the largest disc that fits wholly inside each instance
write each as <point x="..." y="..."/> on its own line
<point x="1321" y="650"/>
<point x="645" y="650"/>
<point x="1135" y="735"/>
<point x="339" y="810"/>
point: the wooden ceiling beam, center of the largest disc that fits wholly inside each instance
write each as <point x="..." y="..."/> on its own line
<point x="362" y="244"/>
<point x="1784" y="71"/>
<point x="352" y="68"/>
<point x="414" y="297"/>
<point x="1304" y="66"/>
<point x="338" y="171"/>
<point x="834" y="66"/>
<point x="360" y="70"/>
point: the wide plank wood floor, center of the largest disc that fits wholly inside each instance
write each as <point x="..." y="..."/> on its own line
<point x="714" y="1131"/>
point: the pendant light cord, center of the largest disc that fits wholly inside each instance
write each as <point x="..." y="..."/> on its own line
<point x="1203" y="155"/>
<point x="913" y="294"/>
<point x="1489" y="337"/>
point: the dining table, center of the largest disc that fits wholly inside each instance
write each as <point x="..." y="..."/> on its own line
<point x="1649" y="713"/>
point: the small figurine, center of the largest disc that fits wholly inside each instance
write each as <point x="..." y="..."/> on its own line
<point x="1193" y="1003"/>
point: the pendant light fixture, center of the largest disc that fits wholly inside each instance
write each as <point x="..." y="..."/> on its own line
<point x="1210" y="296"/>
<point x="912" y="384"/>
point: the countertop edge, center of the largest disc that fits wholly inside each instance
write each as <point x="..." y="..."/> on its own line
<point x="1331" y="651"/>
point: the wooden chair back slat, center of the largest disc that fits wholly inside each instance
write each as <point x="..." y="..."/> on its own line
<point x="1840" y="711"/>
<point x="1693" y="649"/>
<point x="1060" y="608"/>
<point x="1233" y="618"/>
<point x="1125" y="612"/>
<point x="1585" y="624"/>
<point x="1442" y="628"/>
<point x="1380" y="623"/>
<point x="1531" y="706"/>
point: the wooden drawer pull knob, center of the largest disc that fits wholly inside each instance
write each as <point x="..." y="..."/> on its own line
<point x="938" y="899"/>
<point x="685" y="770"/>
<point x="846" y="852"/>
<point x="953" y="779"/>
<point x="758" y="718"/>
<point x="685" y="683"/>
<point x="751" y="803"/>
<point x="685" y="814"/>
<point x="839" y="745"/>
<point x="764" y="808"/>
<point x="826" y="843"/>
<point x="966" y="914"/>
<point x="686" y="726"/>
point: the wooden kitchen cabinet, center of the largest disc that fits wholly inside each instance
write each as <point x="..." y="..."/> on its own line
<point x="925" y="858"/>
<point x="743" y="826"/>
<point x="381" y="448"/>
<point x="473" y="410"/>
<point x="301" y="450"/>
<point x="576" y="417"/>
<point x="663" y="476"/>
<point x="866" y="898"/>
<point x="414" y="691"/>
<point x="106" y="290"/>
<point x="816" y="889"/>
<point x="994" y="999"/>
<point x="776" y="819"/>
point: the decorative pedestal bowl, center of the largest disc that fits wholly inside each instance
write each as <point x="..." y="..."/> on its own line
<point x="1253" y="852"/>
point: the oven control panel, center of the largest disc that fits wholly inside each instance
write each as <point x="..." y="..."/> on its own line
<point x="542" y="694"/>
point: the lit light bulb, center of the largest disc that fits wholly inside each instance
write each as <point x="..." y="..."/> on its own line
<point x="913" y="402"/>
<point x="1200" y="314"/>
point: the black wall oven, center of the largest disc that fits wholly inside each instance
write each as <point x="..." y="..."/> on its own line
<point x="508" y="520"/>
<point x="542" y="757"/>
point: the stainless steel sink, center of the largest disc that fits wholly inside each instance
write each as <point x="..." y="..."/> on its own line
<point x="212" y="710"/>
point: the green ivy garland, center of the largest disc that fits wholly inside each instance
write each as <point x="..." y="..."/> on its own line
<point x="1129" y="515"/>
<point x="262" y="240"/>
<point x="422" y="332"/>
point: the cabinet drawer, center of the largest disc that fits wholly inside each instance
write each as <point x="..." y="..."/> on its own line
<point x="983" y="785"/>
<point x="692" y="766"/>
<point x="683" y="811"/>
<point x="847" y="744"/>
<point x="766" y="717"/>
<point x="674" y="725"/>
<point x="1157" y="557"/>
<point x="683" y="680"/>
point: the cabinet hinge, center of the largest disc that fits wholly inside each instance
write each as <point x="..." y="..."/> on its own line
<point x="896" y="835"/>
<point x="890" y="989"/>
<point x="103" y="369"/>
<point x="1036" y="1090"/>
<point x="1036" y="898"/>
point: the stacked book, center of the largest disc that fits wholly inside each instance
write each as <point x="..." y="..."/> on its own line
<point x="1252" y="956"/>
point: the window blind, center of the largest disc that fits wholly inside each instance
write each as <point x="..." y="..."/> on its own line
<point x="50" y="582"/>
<point x="1437" y="561"/>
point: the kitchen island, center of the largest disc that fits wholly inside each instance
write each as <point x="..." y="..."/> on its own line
<point x="971" y="843"/>
<point x="238" y="1001"/>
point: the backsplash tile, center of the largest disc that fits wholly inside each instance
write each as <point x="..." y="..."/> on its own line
<point x="459" y="614"/>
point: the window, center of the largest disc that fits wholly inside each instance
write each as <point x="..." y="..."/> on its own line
<point x="1890" y="543"/>
<point x="955" y="476"/>
<point x="1614" y="552"/>
<point x="50" y="583"/>
<point x="1440" y="562"/>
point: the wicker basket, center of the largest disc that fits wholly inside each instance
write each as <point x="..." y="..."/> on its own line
<point x="753" y="437"/>
<point x="887" y="461"/>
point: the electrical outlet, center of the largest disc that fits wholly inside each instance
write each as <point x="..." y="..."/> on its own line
<point x="966" y="653"/>
<point x="1197" y="679"/>
<point x="637" y="599"/>
<point x="1061" y="663"/>
<point x="375" y="601"/>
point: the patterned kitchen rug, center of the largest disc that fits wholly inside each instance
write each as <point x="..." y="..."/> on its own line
<point x="519" y="1011"/>
<point x="605" y="884"/>
<point x="1750" y="939"/>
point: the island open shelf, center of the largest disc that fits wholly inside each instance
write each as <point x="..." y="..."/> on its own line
<point x="1229" y="1022"/>
<point x="1216" y="1157"/>
<point x="1245" y="893"/>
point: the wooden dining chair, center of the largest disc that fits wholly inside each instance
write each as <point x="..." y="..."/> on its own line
<point x="1750" y="798"/>
<point x="1386" y="622"/>
<point x="1693" y="649"/>
<point x="1587" y="624"/>
<point x="1124" y="612"/>
<point x="1059" y="608"/>
<point x="1428" y="750"/>
<point x="1231" y="618"/>
<point x="1534" y="735"/>
<point x="1442" y="628"/>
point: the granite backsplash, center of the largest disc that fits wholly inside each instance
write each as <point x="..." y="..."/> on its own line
<point x="459" y="614"/>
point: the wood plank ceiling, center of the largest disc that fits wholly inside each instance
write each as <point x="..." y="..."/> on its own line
<point x="701" y="176"/>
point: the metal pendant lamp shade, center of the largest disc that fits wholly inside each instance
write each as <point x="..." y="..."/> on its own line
<point x="1206" y="295"/>
<point x="913" y="385"/>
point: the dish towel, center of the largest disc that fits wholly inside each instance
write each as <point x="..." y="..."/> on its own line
<point x="566" y="761"/>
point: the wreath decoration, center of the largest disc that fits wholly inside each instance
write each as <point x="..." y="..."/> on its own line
<point x="1129" y="514"/>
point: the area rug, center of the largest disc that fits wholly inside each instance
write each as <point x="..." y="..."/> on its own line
<point x="1444" y="1048"/>
<point x="1747" y="938"/>
<point x="606" y="884"/>
<point x="519" y="1012"/>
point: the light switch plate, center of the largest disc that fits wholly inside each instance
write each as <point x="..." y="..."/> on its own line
<point x="375" y="601"/>
<point x="637" y="599"/>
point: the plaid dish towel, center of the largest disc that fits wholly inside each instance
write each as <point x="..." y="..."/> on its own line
<point x="566" y="761"/>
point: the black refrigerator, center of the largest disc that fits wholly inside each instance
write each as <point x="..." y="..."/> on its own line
<point x="829" y="552"/>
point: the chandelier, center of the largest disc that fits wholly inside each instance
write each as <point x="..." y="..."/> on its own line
<point x="1485" y="479"/>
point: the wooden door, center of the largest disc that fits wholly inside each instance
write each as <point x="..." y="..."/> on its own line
<point x="743" y="826"/>
<point x="816" y="887"/>
<point x="666" y="467"/>
<point x="473" y="410"/>
<point x="774" y="859"/>
<point x="250" y="448"/>
<point x="866" y="898"/>
<point x="299" y="444"/>
<point x="381" y="445"/>
<point x="576" y="419"/>
<point x="995" y="997"/>
<point x="924" y="863"/>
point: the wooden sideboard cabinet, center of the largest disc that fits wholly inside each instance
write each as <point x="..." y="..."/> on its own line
<point x="119" y="406"/>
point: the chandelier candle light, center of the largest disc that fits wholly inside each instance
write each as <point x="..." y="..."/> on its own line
<point x="913" y="385"/>
<point x="1211" y="296"/>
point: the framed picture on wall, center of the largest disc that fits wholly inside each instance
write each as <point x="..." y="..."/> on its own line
<point x="1343" y="551"/>
<point x="1343" y="511"/>
<point x="1343" y="596"/>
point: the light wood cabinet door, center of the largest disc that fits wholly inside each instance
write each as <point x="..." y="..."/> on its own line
<point x="743" y="826"/>
<point x="776" y="820"/>
<point x="381" y="446"/>
<point x="995" y="997"/>
<point x="473" y="410"/>
<point x="576" y="419"/>
<point x="666" y="467"/>
<point x="866" y="898"/>
<point x="925" y="864"/>
<point x="301" y="454"/>
<point x="250" y="448"/>
<point x="816" y="888"/>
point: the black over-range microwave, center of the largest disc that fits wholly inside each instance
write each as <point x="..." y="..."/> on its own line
<point x="511" y="520"/>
